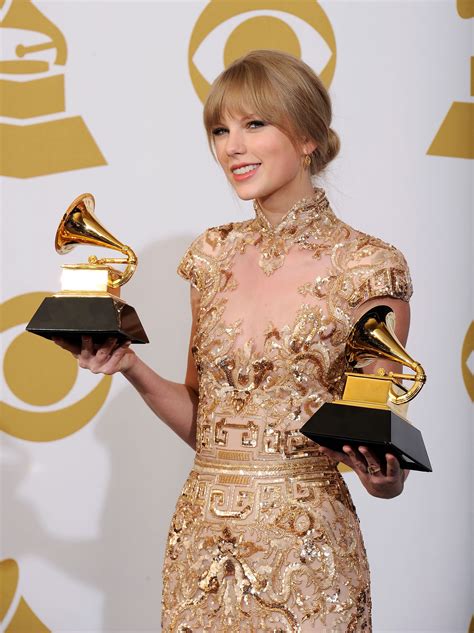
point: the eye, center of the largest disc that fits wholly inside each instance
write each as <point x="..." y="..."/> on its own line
<point x="225" y="31"/>
<point x="256" y="123"/>
<point x="219" y="131"/>
<point x="45" y="398"/>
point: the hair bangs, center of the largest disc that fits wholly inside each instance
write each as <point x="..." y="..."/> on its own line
<point x="242" y="89"/>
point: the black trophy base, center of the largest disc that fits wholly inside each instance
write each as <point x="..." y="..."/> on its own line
<point x="382" y="431"/>
<point x="99" y="317"/>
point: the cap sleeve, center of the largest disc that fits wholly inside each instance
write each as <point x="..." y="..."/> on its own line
<point x="200" y="266"/>
<point x="186" y="268"/>
<point x="192" y="266"/>
<point x="378" y="270"/>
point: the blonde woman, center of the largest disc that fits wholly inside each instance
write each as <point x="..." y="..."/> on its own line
<point x="265" y="536"/>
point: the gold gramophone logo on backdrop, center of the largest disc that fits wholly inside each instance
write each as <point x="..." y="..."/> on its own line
<point x="40" y="375"/>
<point x="261" y="29"/>
<point x="36" y="136"/>
<point x="454" y="138"/>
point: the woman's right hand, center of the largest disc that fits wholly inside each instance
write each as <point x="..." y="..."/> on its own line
<point x="107" y="358"/>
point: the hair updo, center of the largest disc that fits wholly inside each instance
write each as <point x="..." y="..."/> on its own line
<point x="282" y="90"/>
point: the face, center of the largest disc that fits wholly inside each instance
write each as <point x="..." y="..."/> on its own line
<point x="260" y="161"/>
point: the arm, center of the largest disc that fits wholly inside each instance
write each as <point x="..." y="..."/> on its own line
<point x="174" y="403"/>
<point x="389" y="480"/>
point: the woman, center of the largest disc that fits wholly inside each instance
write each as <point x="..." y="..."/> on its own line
<point x="265" y="536"/>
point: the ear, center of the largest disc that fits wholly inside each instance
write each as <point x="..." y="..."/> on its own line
<point x="308" y="146"/>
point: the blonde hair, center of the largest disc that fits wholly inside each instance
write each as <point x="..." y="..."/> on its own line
<point x="282" y="90"/>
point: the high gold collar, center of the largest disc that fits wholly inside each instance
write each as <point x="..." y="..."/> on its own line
<point x="308" y="221"/>
<point x="305" y="211"/>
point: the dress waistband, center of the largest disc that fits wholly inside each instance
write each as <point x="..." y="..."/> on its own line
<point x="266" y="468"/>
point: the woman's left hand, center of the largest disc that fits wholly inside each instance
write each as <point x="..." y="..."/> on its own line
<point x="385" y="480"/>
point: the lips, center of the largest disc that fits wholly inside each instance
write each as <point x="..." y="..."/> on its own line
<point x="244" y="170"/>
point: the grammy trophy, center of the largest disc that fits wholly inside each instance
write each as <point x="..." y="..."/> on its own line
<point x="372" y="411"/>
<point x="89" y="302"/>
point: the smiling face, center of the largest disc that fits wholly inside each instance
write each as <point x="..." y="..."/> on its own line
<point x="264" y="113"/>
<point x="260" y="161"/>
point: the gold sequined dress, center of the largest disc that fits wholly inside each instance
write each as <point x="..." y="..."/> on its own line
<point x="265" y="536"/>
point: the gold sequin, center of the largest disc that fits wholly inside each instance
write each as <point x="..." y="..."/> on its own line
<point x="265" y="536"/>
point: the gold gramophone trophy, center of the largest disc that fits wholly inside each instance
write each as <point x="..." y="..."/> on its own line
<point x="372" y="411"/>
<point x="89" y="302"/>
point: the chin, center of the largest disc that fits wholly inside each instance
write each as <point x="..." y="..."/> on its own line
<point x="253" y="191"/>
<point x="245" y="193"/>
<point x="244" y="196"/>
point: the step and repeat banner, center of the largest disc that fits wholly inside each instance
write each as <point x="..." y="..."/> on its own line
<point x="107" y="97"/>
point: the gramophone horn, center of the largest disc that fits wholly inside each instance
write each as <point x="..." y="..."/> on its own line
<point x="373" y="337"/>
<point x="79" y="225"/>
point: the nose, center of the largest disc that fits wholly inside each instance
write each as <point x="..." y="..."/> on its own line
<point x="235" y="142"/>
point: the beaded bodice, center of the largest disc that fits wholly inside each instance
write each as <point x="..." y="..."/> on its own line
<point x="276" y="306"/>
<point x="265" y="536"/>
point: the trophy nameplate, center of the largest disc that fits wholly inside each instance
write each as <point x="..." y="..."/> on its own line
<point x="89" y="302"/>
<point x="373" y="408"/>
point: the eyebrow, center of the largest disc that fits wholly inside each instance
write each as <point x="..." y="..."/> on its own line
<point x="242" y="117"/>
<point x="250" y="115"/>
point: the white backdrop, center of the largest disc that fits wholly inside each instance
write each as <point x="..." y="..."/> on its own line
<point x="85" y="516"/>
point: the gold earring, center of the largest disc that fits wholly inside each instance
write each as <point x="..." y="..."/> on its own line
<point x="307" y="160"/>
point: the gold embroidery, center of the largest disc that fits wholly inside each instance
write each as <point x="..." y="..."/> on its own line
<point x="243" y="503"/>
<point x="249" y="433"/>
<point x="389" y="281"/>
<point x="308" y="224"/>
<point x="237" y="480"/>
<point x="265" y="536"/>
<point x="233" y="455"/>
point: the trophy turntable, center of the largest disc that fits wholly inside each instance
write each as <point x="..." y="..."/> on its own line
<point x="373" y="408"/>
<point x="89" y="302"/>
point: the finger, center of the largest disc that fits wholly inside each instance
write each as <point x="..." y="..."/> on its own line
<point x="374" y="467"/>
<point x="119" y="347"/>
<point x="102" y="355"/>
<point x="369" y="455"/>
<point x="106" y="350"/>
<point x="393" y="467"/>
<point x="87" y="347"/>
<point x="336" y="456"/>
<point x="357" y="462"/>
<point x="67" y="345"/>
<point x="125" y="345"/>
<point x="112" y="365"/>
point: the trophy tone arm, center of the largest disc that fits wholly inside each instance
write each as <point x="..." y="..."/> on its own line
<point x="118" y="278"/>
<point x="419" y="379"/>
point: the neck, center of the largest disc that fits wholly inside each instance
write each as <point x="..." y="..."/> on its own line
<point x="277" y="204"/>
